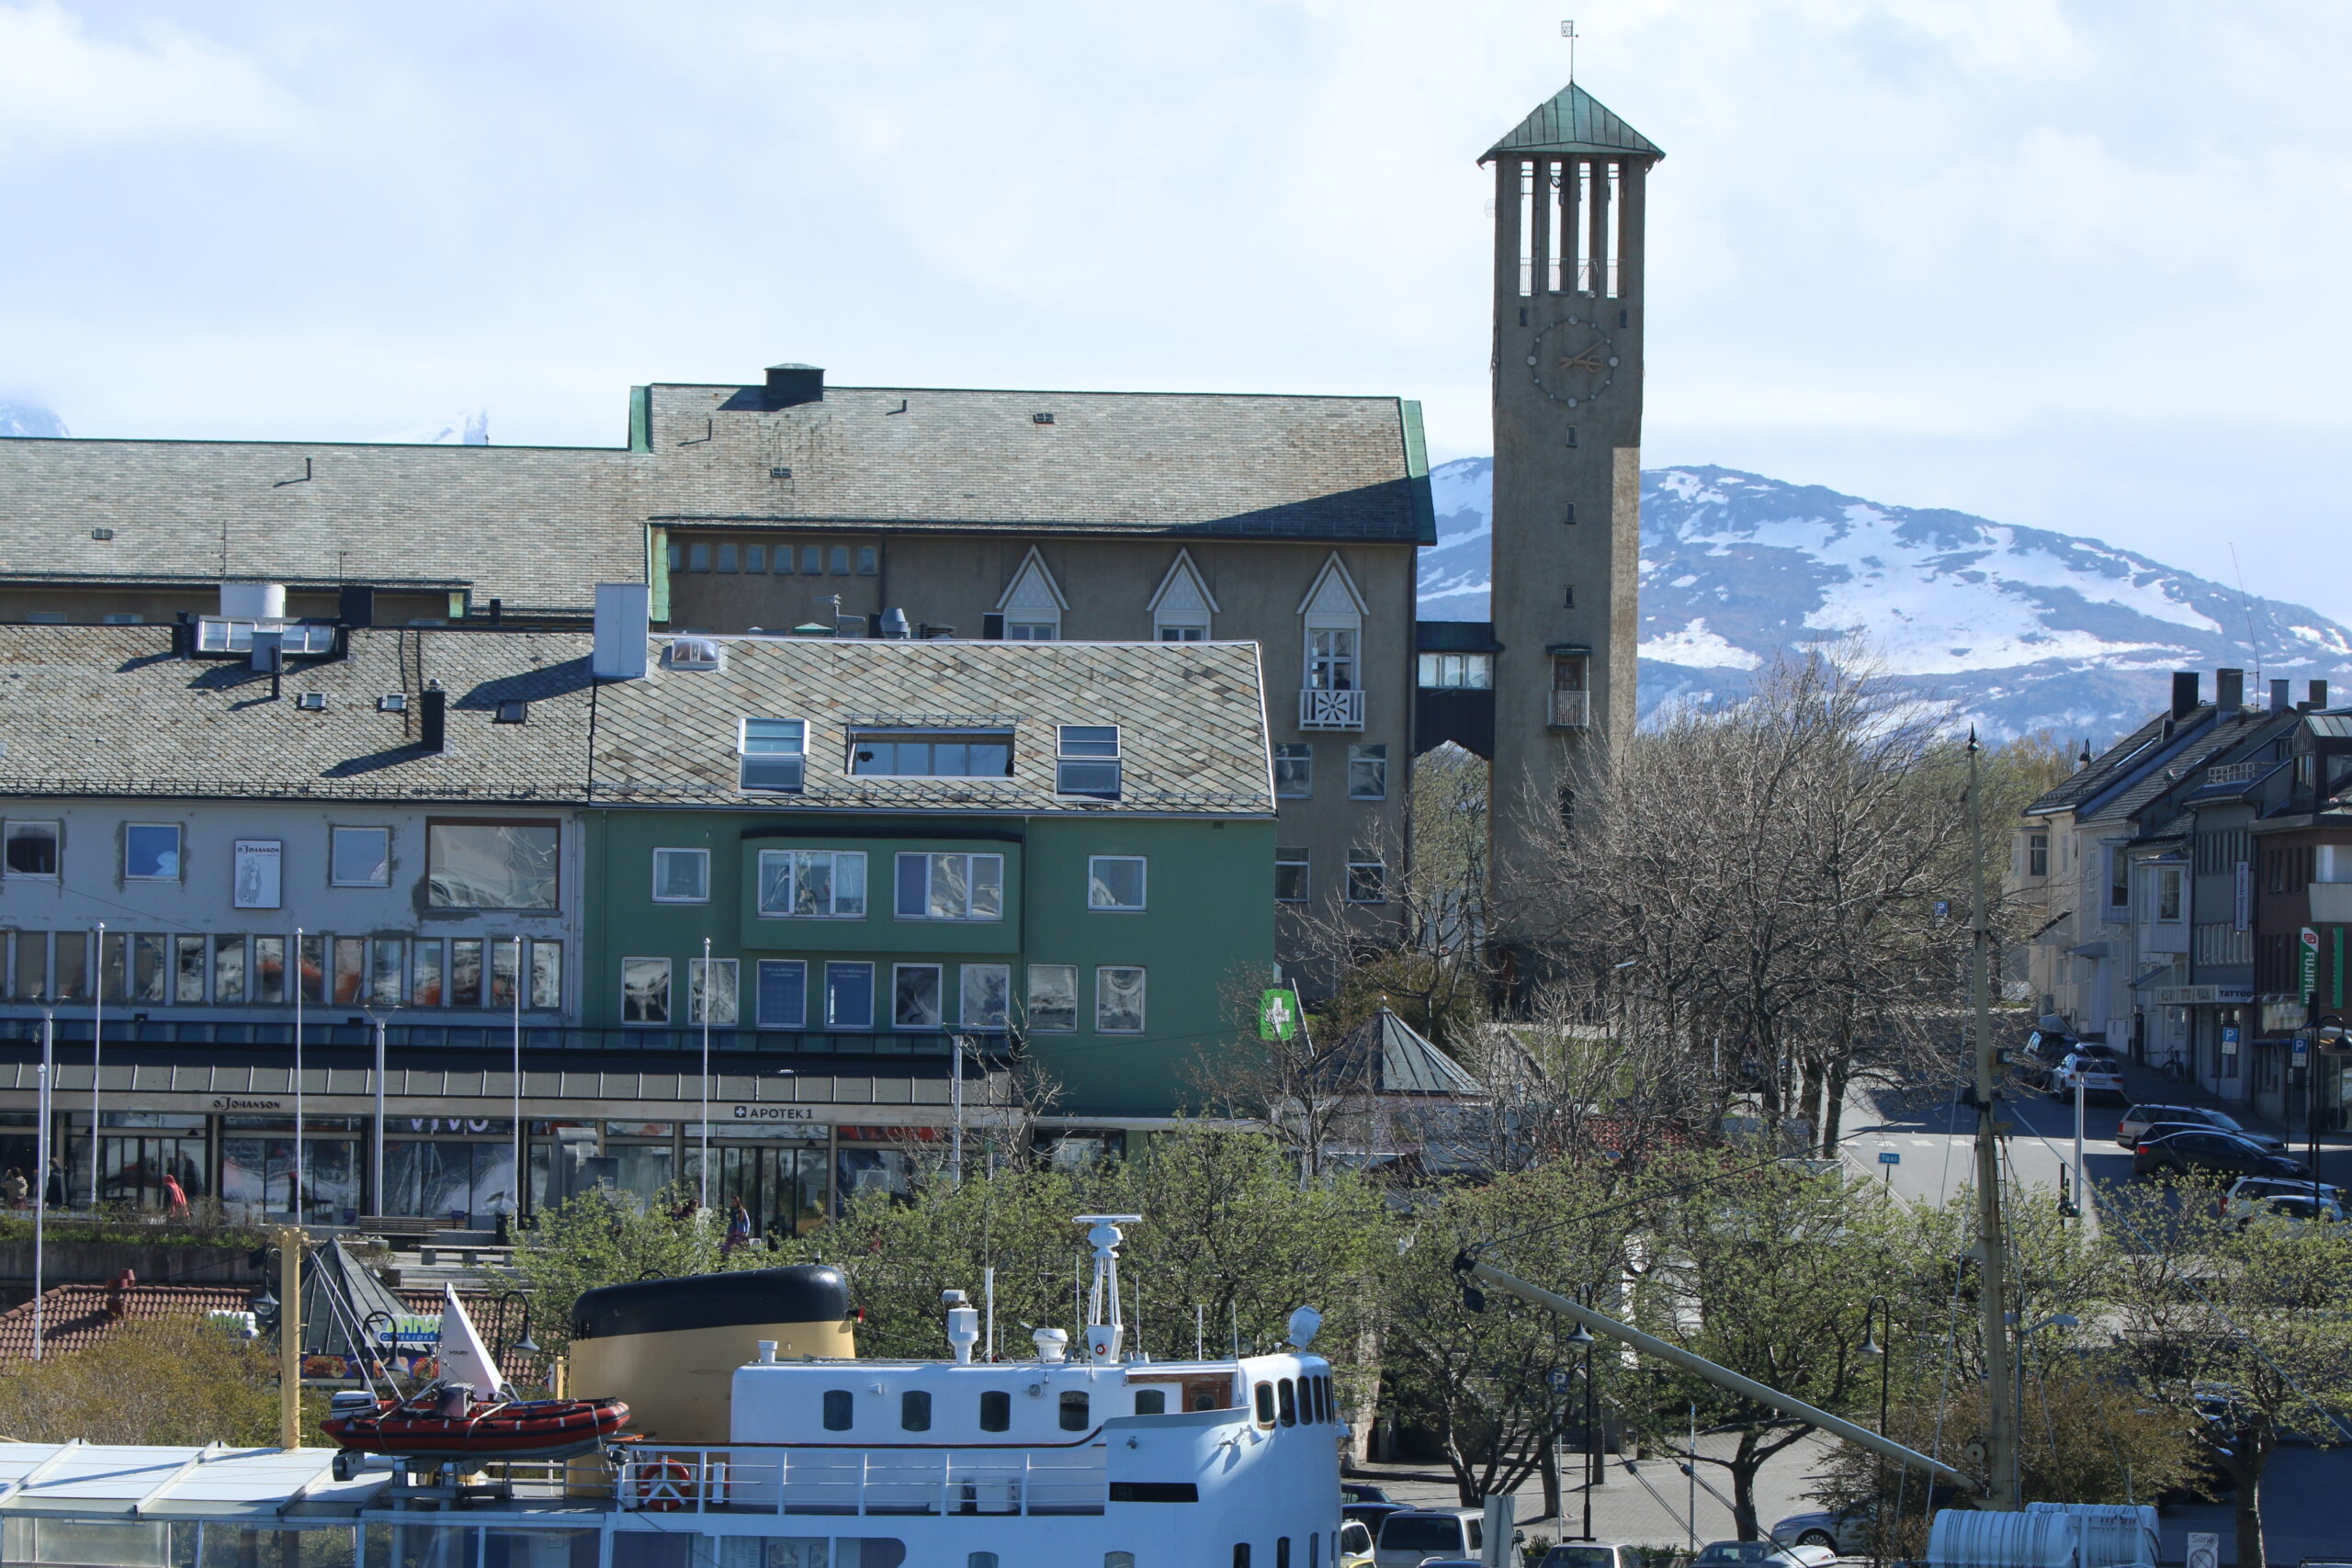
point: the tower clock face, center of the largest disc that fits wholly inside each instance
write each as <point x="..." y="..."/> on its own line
<point x="1573" y="361"/>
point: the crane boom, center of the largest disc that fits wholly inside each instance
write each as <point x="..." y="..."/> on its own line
<point x="1470" y="1269"/>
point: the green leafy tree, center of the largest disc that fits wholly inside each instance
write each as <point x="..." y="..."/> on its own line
<point x="605" y="1237"/>
<point x="178" y="1381"/>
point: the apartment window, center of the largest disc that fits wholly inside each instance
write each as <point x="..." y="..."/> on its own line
<point x="1367" y="772"/>
<point x="755" y="558"/>
<point x="473" y="864"/>
<point x="1293" y="868"/>
<point x="682" y="877"/>
<point x="31" y="849"/>
<point x="1367" y="881"/>
<point x="814" y="884"/>
<point x="677" y="558"/>
<point x="869" y="560"/>
<point x="2168" y="892"/>
<point x="151" y="852"/>
<point x="547" y="974"/>
<point x="697" y="558"/>
<point x="1294" y="770"/>
<point x="359" y="857"/>
<point x="1175" y="631"/>
<point x="838" y="561"/>
<point x="710" y="991"/>
<point x="915" y="995"/>
<point x="426" y="975"/>
<point x="464" y="976"/>
<point x="1118" y="999"/>
<point x="1031" y="631"/>
<point x="783" y="560"/>
<point x="1053" y="998"/>
<point x="943" y="755"/>
<point x="1086" y="760"/>
<point x="782" y="999"/>
<point x="645" y="990"/>
<point x="1114" y="882"/>
<point x="387" y="971"/>
<point x="812" y="560"/>
<point x="727" y="557"/>
<point x="228" y="969"/>
<point x="849" y="995"/>
<point x="1457" y="671"/>
<point x="986" y="998"/>
<point x="2037" y="852"/>
<point x="1331" y="658"/>
<point x="951" y="887"/>
<point x="2118" y="879"/>
<point x="188" y="969"/>
<point x="774" y="758"/>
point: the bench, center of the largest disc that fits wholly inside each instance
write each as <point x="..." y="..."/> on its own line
<point x="391" y="1225"/>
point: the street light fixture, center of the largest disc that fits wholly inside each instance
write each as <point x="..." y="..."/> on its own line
<point x="1872" y="1311"/>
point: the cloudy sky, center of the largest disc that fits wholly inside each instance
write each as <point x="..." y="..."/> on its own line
<point x="2078" y="266"/>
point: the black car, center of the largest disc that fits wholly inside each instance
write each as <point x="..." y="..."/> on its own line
<point x="1363" y="1492"/>
<point x="2203" y="1148"/>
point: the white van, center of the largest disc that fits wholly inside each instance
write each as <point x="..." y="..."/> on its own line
<point x="1409" y="1538"/>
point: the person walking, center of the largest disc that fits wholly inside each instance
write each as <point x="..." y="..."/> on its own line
<point x="53" y="1190"/>
<point x="15" y="1189"/>
<point x="738" y="1227"/>
<point x="175" y="1197"/>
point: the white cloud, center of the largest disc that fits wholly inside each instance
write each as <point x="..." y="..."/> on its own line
<point x="61" y="87"/>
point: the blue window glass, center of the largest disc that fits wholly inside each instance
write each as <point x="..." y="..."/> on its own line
<point x="784" y="993"/>
<point x="849" y="995"/>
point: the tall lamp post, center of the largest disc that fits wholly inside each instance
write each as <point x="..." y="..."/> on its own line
<point x="40" y="1159"/>
<point x="380" y="1017"/>
<point x="98" y="1047"/>
<point x="1878" y="1309"/>
<point x="1582" y="1336"/>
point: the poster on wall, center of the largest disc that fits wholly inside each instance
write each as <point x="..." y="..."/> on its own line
<point x="256" y="874"/>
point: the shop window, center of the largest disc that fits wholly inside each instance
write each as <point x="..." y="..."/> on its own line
<point x="915" y="995"/>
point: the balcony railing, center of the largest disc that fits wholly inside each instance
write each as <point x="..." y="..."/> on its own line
<point x="890" y="1480"/>
<point x="2234" y="773"/>
<point x="1571" y="710"/>
<point x="1321" y="709"/>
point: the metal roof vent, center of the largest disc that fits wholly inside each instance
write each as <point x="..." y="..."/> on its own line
<point x="513" y="710"/>
<point x="311" y="702"/>
<point x="393" y="702"/>
<point x="792" y="384"/>
<point x="693" y="653"/>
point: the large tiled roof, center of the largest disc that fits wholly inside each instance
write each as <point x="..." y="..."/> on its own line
<point x="2136" y="750"/>
<point x="537" y="527"/>
<point x="2205" y="745"/>
<point x="107" y="710"/>
<point x="1190" y="464"/>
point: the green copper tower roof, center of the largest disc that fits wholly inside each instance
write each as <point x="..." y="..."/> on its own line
<point x="1573" y="124"/>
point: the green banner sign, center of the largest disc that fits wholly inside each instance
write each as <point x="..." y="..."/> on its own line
<point x="1278" y="1015"/>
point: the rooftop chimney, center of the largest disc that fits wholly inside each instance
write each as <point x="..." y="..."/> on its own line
<point x="2229" y="691"/>
<point x="791" y="384"/>
<point x="621" y="629"/>
<point x="432" y="718"/>
<point x="2280" y="701"/>
<point x="2319" y="696"/>
<point x="2184" y="693"/>
<point x="356" y="604"/>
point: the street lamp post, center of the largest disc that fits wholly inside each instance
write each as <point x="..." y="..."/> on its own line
<point x="1583" y="1337"/>
<point x="1881" y="1309"/>
<point x="40" y="1159"/>
<point x="522" y="1142"/>
<point x="294" y="1188"/>
<point x="379" y="1017"/>
<point x="98" y="1047"/>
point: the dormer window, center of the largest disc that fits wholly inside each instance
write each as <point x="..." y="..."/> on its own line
<point x="773" y="755"/>
<point x="693" y="653"/>
<point x="1086" y="760"/>
<point x="297" y="639"/>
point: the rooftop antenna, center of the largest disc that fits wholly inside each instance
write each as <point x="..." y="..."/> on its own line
<point x="1568" y="31"/>
<point x="2245" y="606"/>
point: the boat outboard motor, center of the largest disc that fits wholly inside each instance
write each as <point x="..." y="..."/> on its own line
<point x="456" y="1400"/>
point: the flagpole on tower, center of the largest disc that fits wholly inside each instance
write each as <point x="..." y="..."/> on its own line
<point x="1568" y="31"/>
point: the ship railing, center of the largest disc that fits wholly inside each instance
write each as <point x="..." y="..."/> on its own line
<point x="920" y="1480"/>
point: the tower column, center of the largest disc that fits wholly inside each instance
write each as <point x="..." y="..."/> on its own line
<point x="1632" y="186"/>
<point x="1571" y="203"/>
<point x="1597" y="244"/>
<point x="1539" y="250"/>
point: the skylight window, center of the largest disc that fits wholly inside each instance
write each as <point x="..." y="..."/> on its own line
<point x="512" y="711"/>
<point x="693" y="653"/>
<point x="1087" y="761"/>
<point x="773" y="753"/>
<point x="297" y="639"/>
<point x="938" y="754"/>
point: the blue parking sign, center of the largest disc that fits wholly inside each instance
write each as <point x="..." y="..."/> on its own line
<point x="1888" y="1156"/>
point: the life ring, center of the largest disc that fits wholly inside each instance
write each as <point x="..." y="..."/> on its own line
<point x="662" y="1486"/>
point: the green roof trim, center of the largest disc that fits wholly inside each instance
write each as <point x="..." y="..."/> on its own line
<point x="1571" y="124"/>
<point x="1417" y="471"/>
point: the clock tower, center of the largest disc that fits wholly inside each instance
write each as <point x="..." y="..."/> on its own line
<point x="1567" y="368"/>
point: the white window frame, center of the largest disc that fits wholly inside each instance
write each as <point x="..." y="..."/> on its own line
<point x="760" y="1019"/>
<point x="973" y="860"/>
<point x="1078" y="747"/>
<point x="1095" y="890"/>
<point x="938" y="996"/>
<point x="1102" y="974"/>
<point x="1183" y="608"/>
<point x="2176" y="879"/>
<point x="1380" y="873"/>
<point x="787" y="754"/>
<point x="669" y="992"/>
<point x="179" y="852"/>
<point x="1033" y="604"/>
<point x="1374" y="756"/>
<point x="8" y="832"/>
<point x="845" y="965"/>
<point x="692" y="856"/>
<point x="1303" y="751"/>
<point x="1337" y="670"/>
<point x="336" y="830"/>
<point x="698" y="991"/>
<point x="965" y="979"/>
<point x="792" y="859"/>
<point x="1029" y="996"/>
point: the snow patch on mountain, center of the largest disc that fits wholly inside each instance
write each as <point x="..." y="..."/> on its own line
<point x="28" y="418"/>
<point x="2013" y="630"/>
<point x="469" y="429"/>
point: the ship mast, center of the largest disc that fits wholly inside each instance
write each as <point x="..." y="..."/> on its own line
<point x="2000" y="1449"/>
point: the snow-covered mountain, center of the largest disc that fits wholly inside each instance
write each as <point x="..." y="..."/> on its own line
<point x="28" y="419"/>
<point x="467" y="429"/>
<point x="2017" y="629"/>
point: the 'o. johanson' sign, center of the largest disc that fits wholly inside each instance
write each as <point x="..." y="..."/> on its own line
<point x="227" y="1103"/>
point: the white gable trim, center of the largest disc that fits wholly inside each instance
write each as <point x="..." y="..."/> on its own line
<point x="1182" y="591"/>
<point x="1033" y="587"/>
<point x="1334" y="593"/>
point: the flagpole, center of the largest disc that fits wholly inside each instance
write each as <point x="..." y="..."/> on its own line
<point x="40" y="1157"/>
<point x="98" y="1043"/>
<point x="294" y="1188"/>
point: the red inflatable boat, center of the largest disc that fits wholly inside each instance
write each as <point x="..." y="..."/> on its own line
<point x="429" y="1425"/>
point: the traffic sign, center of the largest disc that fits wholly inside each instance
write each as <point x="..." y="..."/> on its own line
<point x="1277" y="1015"/>
<point x="1888" y="1156"/>
<point x="2204" y="1549"/>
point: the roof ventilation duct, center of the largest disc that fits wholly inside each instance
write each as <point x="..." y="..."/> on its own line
<point x="793" y="384"/>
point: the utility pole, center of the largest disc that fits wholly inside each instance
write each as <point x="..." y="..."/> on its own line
<point x="1993" y="1278"/>
<point x="290" y="1244"/>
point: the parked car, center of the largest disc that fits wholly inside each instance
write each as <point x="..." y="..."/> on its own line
<point x="2098" y="1076"/>
<point x="1410" y="1537"/>
<point x="1355" y="1545"/>
<point x="2140" y="1118"/>
<point x="1761" y="1555"/>
<point x="1591" y="1554"/>
<point x="1363" y="1491"/>
<point x="1846" y="1531"/>
<point x="1368" y="1515"/>
<point x="2201" y="1148"/>
<point x="2248" y="1191"/>
<point x="2293" y="1210"/>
